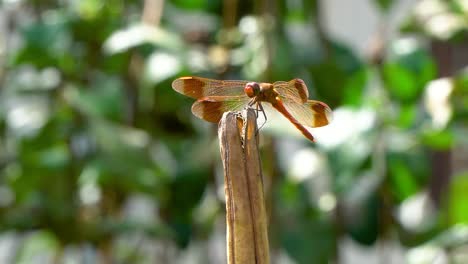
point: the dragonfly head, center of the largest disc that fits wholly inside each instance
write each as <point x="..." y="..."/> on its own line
<point x="252" y="89"/>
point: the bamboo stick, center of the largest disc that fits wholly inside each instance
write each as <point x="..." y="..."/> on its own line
<point x="247" y="237"/>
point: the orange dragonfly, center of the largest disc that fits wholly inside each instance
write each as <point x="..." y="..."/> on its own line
<point x="214" y="97"/>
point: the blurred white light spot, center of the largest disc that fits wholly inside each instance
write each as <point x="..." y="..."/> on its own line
<point x="139" y="34"/>
<point x="30" y="78"/>
<point x="218" y="56"/>
<point x="347" y="124"/>
<point x="27" y="115"/>
<point x="89" y="190"/>
<point x="198" y="60"/>
<point x="12" y="1"/>
<point x="438" y="19"/>
<point x="49" y="78"/>
<point x="405" y="46"/>
<point x="161" y="66"/>
<point x="444" y="25"/>
<point x="239" y="56"/>
<point x="249" y="25"/>
<point x="327" y="202"/>
<point x="161" y="154"/>
<point x="135" y="138"/>
<point x="428" y="8"/>
<point x="141" y="209"/>
<point x="90" y="194"/>
<point x="305" y="164"/>
<point x="72" y="254"/>
<point x="125" y="39"/>
<point x="27" y="76"/>
<point x="417" y="213"/>
<point x="458" y="233"/>
<point x="427" y="254"/>
<point x="437" y="102"/>
<point x="9" y="242"/>
<point x="191" y="21"/>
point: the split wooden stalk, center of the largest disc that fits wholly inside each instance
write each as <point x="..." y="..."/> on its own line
<point x="247" y="236"/>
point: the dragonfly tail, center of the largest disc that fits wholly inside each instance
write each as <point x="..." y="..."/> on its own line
<point x="278" y="105"/>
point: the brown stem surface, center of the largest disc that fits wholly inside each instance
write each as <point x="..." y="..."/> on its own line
<point x="247" y="237"/>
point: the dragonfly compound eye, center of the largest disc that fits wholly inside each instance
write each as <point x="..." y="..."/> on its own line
<point x="252" y="89"/>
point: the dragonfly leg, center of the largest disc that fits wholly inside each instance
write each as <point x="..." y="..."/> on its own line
<point x="251" y="103"/>
<point x="259" y="105"/>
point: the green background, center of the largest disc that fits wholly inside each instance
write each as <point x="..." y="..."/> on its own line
<point x="102" y="162"/>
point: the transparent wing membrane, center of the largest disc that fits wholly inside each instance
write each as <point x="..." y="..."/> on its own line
<point x="294" y="90"/>
<point x="212" y="108"/>
<point x="198" y="87"/>
<point x="312" y="113"/>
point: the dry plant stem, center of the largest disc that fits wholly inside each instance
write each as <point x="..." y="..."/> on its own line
<point x="247" y="237"/>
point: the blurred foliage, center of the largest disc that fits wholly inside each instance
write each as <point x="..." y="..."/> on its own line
<point x="101" y="161"/>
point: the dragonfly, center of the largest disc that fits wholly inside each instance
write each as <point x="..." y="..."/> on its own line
<point x="291" y="99"/>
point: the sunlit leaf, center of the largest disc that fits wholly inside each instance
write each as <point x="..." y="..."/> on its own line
<point x="139" y="34"/>
<point x="400" y="82"/>
<point x="407" y="115"/>
<point x="38" y="247"/>
<point x="458" y="200"/>
<point x="442" y="20"/>
<point x="438" y="139"/>
<point x="161" y="66"/>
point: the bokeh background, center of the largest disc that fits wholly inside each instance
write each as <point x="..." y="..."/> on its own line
<point x="102" y="162"/>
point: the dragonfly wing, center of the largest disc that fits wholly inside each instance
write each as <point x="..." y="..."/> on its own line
<point x="312" y="113"/>
<point x="295" y="90"/>
<point x="198" y="87"/>
<point x="212" y="108"/>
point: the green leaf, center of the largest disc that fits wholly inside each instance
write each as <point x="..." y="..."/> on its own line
<point x="305" y="234"/>
<point x="459" y="98"/>
<point x="192" y="4"/>
<point x="308" y="241"/>
<point x="400" y="82"/>
<point x="105" y="98"/>
<point x="458" y="200"/>
<point x="384" y="5"/>
<point x="331" y="75"/>
<point x="439" y="140"/>
<point x="407" y="115"/>
<point x="420" y="63"/>
<point x="45" y="44"/>
<point x="402" y="180"/>
<point x="408" y="71"/>
<point x="140" y="34"/>
<point x="354" y="88"/>
<point x="363" y="226"/>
